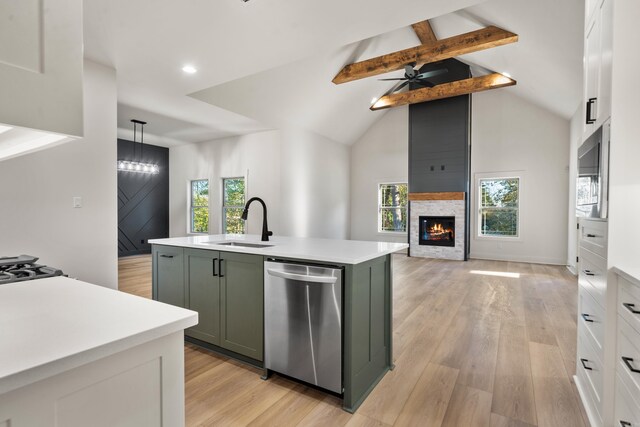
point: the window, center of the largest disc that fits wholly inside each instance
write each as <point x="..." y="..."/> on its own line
<point x="199" y="206"/>
<point x="392" y="208"/>
<point x="232" y="205"/>
<point x="499" y="207"/>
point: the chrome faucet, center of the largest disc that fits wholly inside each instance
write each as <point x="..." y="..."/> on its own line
<point x="265" y="229"/>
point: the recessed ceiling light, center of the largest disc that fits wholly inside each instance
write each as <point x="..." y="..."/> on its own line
<point x="189" y="69"/>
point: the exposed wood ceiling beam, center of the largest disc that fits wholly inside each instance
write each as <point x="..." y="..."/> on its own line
<point x="424" y="32"/>
<point x="442" y="49"/>
<point x="445" y="90"/>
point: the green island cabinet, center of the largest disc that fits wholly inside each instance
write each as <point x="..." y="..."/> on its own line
<point x="227" y="291"/>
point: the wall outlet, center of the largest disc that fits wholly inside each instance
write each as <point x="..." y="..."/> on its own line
<point x="77" y="202"/>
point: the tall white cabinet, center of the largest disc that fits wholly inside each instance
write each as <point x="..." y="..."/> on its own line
<point x="608" y="342"/>
<point x="41" y="67"/>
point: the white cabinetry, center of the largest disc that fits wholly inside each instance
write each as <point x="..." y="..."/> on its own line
<point x="598" y="46"/>
<point x="627" y="397"/>
<point x="591" y="370"/>
<point x="40" y="71"/>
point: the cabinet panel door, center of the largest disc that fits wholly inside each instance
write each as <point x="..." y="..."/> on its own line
<point x="204" y="294"/>
<point x="592" y="71"/>
<point x="242" y="294"/>
<point x="606" y="61"/>
<point x="168" y="272"/>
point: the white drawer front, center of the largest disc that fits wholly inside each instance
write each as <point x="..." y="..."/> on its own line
<point x="593" y="236"/>
<point x="591" y="317"/>
<point x="627" y="409"/>
<point x="629" y="302"/>
<point x="589" y="370"/>
<point x="628" y="356"/>
<point x="593" y="275"/>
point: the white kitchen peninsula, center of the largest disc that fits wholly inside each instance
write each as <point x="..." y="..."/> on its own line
<point x="77" y="354"/>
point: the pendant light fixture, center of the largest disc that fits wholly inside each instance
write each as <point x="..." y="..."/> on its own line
<point x="136" y="165"/>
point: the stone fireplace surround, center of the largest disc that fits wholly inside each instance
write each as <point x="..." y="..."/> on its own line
<point x="437" y="204"/>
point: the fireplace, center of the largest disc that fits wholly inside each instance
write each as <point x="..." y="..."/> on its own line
<point x="437" y="230"/>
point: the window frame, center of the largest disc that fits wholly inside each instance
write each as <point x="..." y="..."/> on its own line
<point x="479" y="177"/>
<point x="225" y="207"/>
<point x="380" y="207"/>
<point x="192" y="208"/>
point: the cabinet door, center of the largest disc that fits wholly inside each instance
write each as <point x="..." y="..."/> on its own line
<point x="204" y="293"/>
<point x="168" y="275"/>
<point x="242" y="294"/>
<point x="41" y="65"/>
<point x="592" y="72"/>
<point x="605" y="15"/>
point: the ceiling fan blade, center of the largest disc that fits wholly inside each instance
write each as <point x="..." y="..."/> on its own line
<point x="401" y="78"/>
<point x="432" y="73"/>
<point x="424" y="83"/>
<point x="396" y="88"/>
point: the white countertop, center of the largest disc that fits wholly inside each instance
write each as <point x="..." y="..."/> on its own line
<point x="48" y="326"/>
<point x="322" y="250"/>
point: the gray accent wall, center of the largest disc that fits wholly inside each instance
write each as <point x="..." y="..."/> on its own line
<point x="440" y="140"/>
<point x="143" y="199"/>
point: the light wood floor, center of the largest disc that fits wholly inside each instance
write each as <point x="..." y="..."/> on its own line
<point x="470" y="350"/>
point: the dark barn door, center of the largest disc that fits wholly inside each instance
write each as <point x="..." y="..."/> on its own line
<point x="143" y="199"/>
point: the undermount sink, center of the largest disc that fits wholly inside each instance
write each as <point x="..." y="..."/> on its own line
<point x="242" y="244"/>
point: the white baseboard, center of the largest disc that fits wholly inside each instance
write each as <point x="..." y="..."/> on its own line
<point x="516" y="258"/>
<point x="587" y="408"/>
<point x="572" y="269"/>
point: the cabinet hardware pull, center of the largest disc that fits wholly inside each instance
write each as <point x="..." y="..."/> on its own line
<point x="220" y="267"/>
<point x="588" y="272"/>
<point x="627" y="361"/>
<point x="590" y="103"/>
<point x="630" y="307"/>
<point x="586" y="318"/>
<point x="214" y="267"/>
<point x="593" y="236"/>
<point x="584" y="364"/>
<point x="166" y="256"/>
<point x="625" y="423"/>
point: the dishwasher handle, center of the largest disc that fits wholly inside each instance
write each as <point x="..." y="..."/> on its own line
<point x="302" y="277"/>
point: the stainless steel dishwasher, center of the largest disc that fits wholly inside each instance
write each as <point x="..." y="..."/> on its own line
<point x="303" y="322"/>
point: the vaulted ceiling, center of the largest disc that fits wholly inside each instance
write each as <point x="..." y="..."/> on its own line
<point x="267" y="64"/>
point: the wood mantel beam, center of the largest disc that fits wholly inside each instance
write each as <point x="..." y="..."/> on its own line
<point x="442" y="49"/>
<point x="445" y="90"/>
<point x="424" y="32"/>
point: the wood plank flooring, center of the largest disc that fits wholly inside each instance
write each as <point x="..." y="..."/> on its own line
<point x="471" y="348"/>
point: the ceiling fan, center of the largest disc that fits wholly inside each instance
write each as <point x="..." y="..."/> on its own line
<point x="411" y="75"/>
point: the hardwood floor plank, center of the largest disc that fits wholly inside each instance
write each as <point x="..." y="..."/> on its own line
<point x="326" y="413"/>
<point x="513" y="388"/>
<point x="539" y="327"/>
<point x="428" y="401"/>
<point x="468" y="407"/>
<point x="291" y="409"/>
<point x="363" y="421"/>
<point x="556" y="405"/>
<point x="500" y="421"/>
<point x="479" y="367"/>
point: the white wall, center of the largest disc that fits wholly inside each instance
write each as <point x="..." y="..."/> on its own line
<point x="302" y="177"/>
<point x="508" y="134"/>
<point x="575" y="139"/>
<point x="36" y="213"/>
<point x="624" y="185"/>
<point x="380" y="155"/>
<point x="255" y="157"/>
<point x="511" y="134"/>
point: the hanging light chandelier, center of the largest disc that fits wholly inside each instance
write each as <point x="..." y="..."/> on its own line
<point x="133" y="165"/>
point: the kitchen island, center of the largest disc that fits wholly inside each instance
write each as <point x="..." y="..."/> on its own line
<point x="77" y="354"/>
<point x="222" y="277"/>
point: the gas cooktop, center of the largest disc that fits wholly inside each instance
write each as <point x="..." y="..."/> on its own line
<point x="24" y="267"/>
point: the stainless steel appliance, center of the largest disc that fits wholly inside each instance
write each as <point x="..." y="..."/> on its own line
<point x="303" y="322"/>
<point x="592" y="188"/>
<point x="24" y="267"/>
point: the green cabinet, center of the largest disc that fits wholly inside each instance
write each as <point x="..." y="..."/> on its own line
<point x="204" y="293"/>
<point x="241" y="308"/>
<point x="225" y="288"/>
<point x="168" y="276"/>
